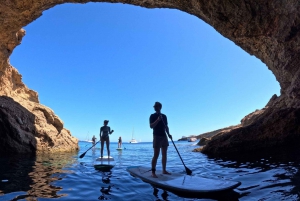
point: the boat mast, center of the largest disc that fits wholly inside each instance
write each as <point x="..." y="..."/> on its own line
<point x="132" y="133"/>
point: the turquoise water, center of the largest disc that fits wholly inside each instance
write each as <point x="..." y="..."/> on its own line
<point x="66" y="177"/>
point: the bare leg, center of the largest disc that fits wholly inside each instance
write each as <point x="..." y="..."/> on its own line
<point x="107" y="146"/>
<point x="164" y="159"/>
<point x="102" y="145"/>
<point x="154" y="161"/>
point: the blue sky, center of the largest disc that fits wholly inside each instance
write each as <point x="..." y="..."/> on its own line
<point x="96" y="61"/>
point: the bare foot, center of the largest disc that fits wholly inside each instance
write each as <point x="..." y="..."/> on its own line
<point x="154" y="175"/>
<point x="166" y="172"/>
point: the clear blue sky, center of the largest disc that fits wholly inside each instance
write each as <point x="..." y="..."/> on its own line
<point x="96" y="61"/>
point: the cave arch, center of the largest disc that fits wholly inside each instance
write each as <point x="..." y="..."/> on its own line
<point x="266" y="29"/>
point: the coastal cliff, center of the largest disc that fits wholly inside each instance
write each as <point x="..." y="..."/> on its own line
<point x="267" y="29"/>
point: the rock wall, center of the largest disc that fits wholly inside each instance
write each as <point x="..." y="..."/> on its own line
<point x="268" y="29"/>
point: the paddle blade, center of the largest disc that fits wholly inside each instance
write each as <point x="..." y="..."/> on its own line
<point x="188" y="171"/>
<point x="82" y="155"/>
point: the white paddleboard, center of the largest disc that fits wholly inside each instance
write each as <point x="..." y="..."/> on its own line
<point x="182" y="182"/>
<point x="105" y="163"/>
<point x="119" y="149"/>
<point x="105" y="158"/>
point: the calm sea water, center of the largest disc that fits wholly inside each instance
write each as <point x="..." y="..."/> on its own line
<point x="66" y="177"/>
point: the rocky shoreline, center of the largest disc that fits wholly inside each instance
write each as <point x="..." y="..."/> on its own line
<point x="265" y="133"/>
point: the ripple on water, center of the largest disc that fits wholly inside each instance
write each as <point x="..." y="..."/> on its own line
<point x="66" y="177"/>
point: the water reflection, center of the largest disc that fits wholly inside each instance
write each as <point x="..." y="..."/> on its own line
<point x="164" y="194"/>
<point x="33" y="175"/>
<point x="260" y="177"/>
<point x="105" y="189"/>
<point x="15" y="170"/>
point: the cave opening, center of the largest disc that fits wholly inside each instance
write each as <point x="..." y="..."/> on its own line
<point x="113" y="61"/>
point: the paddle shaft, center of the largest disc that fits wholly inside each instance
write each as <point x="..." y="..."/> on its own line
<point x="178" y="153"/>
<point x="188" y="171"/>
<point x="82" y="155"/>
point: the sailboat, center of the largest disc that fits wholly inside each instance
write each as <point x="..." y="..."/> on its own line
<point x="132" y="139"/>
<point x="87" y="138"/>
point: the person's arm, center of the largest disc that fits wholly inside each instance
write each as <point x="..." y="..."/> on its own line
<point x="166" y="126"/>
<point x="100" y="132"/>
<point x="153" y="124"/>
<point x="110" y="132"/>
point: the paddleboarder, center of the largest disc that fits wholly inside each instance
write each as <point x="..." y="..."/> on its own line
<point x="94" y="140"/>
<point x="104" y="137"/>
<point x="159" y="124"/>
<point x="120" y="142"/>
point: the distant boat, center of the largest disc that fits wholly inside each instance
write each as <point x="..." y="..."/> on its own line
<point x="132" y="139"/>
<point x="192" y="139"/>
<point x="87" y="138"/>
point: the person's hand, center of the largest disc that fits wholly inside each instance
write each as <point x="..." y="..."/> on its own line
<point x="111" y="131"/>
<point x="170" y="136"/>
<point x="158" y="119"/>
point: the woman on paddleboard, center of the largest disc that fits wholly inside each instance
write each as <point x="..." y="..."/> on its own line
<point x="104" y="137"/>
<point x="94" y="140"/>
<point x="159" y="124"/>
<point x="120" y="142"/>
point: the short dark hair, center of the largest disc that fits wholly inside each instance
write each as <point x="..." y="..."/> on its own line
<point x="157" y="104"/>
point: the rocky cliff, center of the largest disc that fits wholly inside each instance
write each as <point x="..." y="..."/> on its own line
<point x="268" y="29"/>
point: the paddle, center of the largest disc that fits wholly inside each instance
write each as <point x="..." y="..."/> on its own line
<point x="187" y="170"/>
<point x="82" y="155"/>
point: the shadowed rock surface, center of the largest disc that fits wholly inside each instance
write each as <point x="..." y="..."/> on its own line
<point x="267" y="29"/>
<point x="17" y="128"/>
<point x="25" y="132"/>
<point x="276" y="134"/>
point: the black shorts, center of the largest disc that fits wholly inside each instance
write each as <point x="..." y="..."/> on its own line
<point x="106" y="138"/>
<point x="160" y="141"/>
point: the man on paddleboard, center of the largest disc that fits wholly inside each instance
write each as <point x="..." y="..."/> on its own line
<point x="104" y="137"/>
<point x="159" y="124"/>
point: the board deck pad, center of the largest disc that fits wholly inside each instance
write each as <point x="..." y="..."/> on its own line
<point x="119" y="149"/>
<point x="181" y="182"/>
<point x="105" y="158"/>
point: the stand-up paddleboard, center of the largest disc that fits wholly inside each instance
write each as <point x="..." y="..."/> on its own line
<point x="105" y="163"/>
<point x="181" y="182"/>
<point x="119" y="149"/>
<point x="105" y="158"/>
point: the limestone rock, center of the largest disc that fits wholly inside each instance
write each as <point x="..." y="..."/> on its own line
<point x="16" y="137"/>
<point x="275" y="134"/>
<point x="199" y="149"/>
<point x="203" y="141"/>
<point x="24" y="131"/>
